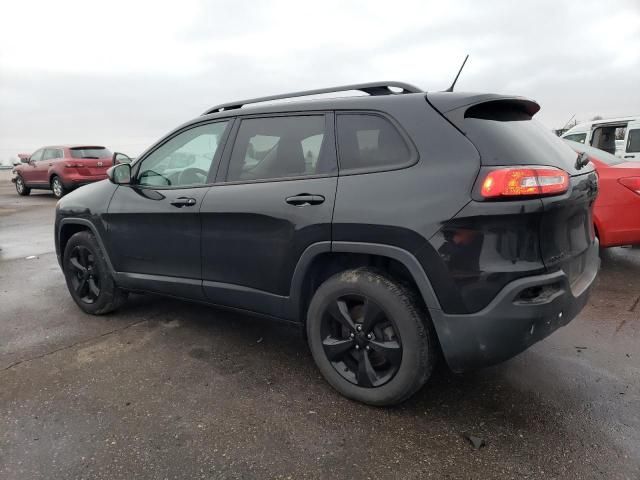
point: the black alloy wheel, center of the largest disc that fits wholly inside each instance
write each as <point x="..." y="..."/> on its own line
<point x="86" y="275"/>
<point x="361" y="341"/>
<point x="370" y="336"/>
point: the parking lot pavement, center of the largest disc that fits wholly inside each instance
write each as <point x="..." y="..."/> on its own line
<point x="165" y="389"/>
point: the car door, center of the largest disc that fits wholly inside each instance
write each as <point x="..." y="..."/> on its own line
<point x="28" y="173"/>
<point x="632" y="143"/>
<point x="153" y="225"/>
<point x="43" y="166"/>
<point x="274" y="199"/>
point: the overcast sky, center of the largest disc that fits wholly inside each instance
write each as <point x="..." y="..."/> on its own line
<point x="123" y="73"/>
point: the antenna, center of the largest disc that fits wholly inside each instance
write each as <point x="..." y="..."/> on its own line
<point x="450" y="89"/>
<point x="567" y="124"/>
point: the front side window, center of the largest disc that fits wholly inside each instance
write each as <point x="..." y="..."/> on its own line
<point x="369" y="141"/>
<point x="576" y="137"/>
<point x="37" y="155"/>
<point x="51" y="154"/>
<point x="280" y="147"/>
<point x="633" y="144"/>
<point x="184" y="160"/>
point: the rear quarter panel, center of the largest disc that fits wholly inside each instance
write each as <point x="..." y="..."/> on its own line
<point x="406" y="207"/>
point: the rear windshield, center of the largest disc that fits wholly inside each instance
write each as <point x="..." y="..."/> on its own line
<point x="90" y="152"/>
<point x="598" y="154"/>
<point x="506" y="134"/>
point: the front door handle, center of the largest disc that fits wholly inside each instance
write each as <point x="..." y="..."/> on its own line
<point x="629" y="156"/>
<point x="183" y="202"/>
<point x="305" y="199"/>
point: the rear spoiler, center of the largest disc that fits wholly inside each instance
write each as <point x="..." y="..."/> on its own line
<point x="455" y="106"/>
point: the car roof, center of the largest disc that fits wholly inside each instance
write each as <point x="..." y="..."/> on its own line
<point x="77" y="145"/>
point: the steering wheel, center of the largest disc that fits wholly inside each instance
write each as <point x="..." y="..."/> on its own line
<point x="191" y="176"/>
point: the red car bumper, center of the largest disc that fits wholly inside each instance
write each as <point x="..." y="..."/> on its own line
<point x="74" y="180"/>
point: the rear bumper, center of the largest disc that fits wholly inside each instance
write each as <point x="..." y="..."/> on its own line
<point x="511" y="324"/>
<point x="78" y="181"/>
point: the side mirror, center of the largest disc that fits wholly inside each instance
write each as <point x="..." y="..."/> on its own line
<point x="120" y="174"/>
<point x="25" y="159"/>
<point x="119" y="158"/>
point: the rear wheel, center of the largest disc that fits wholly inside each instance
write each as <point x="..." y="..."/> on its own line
<point x="88" y="278"/>
<point x="57" y="187"/>
<point x="369" y="337"/>
<point x="21" y="188"/>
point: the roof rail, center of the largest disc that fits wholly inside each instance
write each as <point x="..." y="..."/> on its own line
<point x="373" y="88"/>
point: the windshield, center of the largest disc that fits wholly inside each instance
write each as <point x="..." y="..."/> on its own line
<point x="596" y="153"/>
<point x="576" y="137"/>
<point x="90" y="152"/>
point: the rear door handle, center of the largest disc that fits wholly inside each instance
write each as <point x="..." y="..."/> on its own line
<point x="305" y="199"/>
<point x="629" y="156"/>
<point x="183" y="202"/>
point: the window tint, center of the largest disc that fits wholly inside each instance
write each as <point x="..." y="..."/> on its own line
<point x="37" y="155"/>
<point x="51" y="153"/>
<point x="90" y="152"/>
<point x="184" y="160"/>
<point x="277" y="147"/>
<point x="633" y="144"/>
<point x="576" y="137"/>
<point x="369" y="141"/>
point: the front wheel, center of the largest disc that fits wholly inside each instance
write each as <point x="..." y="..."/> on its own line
<point x="370" y="338"/>
<point x="21" y="188"/>
<point x="58" y="188"/>
<point x="88" y="277"/>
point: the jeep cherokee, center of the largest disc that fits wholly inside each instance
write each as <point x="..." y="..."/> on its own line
<point x="394" y="227"/>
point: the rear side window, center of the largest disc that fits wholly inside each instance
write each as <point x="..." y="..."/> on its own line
<point x="280" y="147"/>
<point x="370" y="142"/>
<point x="633" y="144"/>
<point x="90" y="152"/>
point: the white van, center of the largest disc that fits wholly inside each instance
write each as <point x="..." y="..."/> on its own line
<point x="602" y="134"/>
<point x="631" y="146"/>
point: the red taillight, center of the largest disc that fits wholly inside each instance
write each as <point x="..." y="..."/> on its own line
<point x="632" y="183"/>
<point x="524" y="181"/>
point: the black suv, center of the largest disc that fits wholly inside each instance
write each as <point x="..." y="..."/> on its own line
<point x="393" y="226"/>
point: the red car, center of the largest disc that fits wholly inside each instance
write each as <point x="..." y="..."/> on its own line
<point x="616" y="212"/>
<point x="62" y="168"/>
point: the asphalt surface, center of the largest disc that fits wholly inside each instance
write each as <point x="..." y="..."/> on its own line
<point x="166" y="389"/>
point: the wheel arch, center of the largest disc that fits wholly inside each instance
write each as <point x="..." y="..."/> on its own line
<point x="71" y="226"/>
<point x="321" y="260"/>
<point x="54" y="173"/>
<point x="599" y="231"/>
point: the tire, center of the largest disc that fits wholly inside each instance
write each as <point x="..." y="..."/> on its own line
<point x="354" y="304"/>
<point x="88" y="277"/>
<point x="57" y="187"/>
<point x="21" y="187"/>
